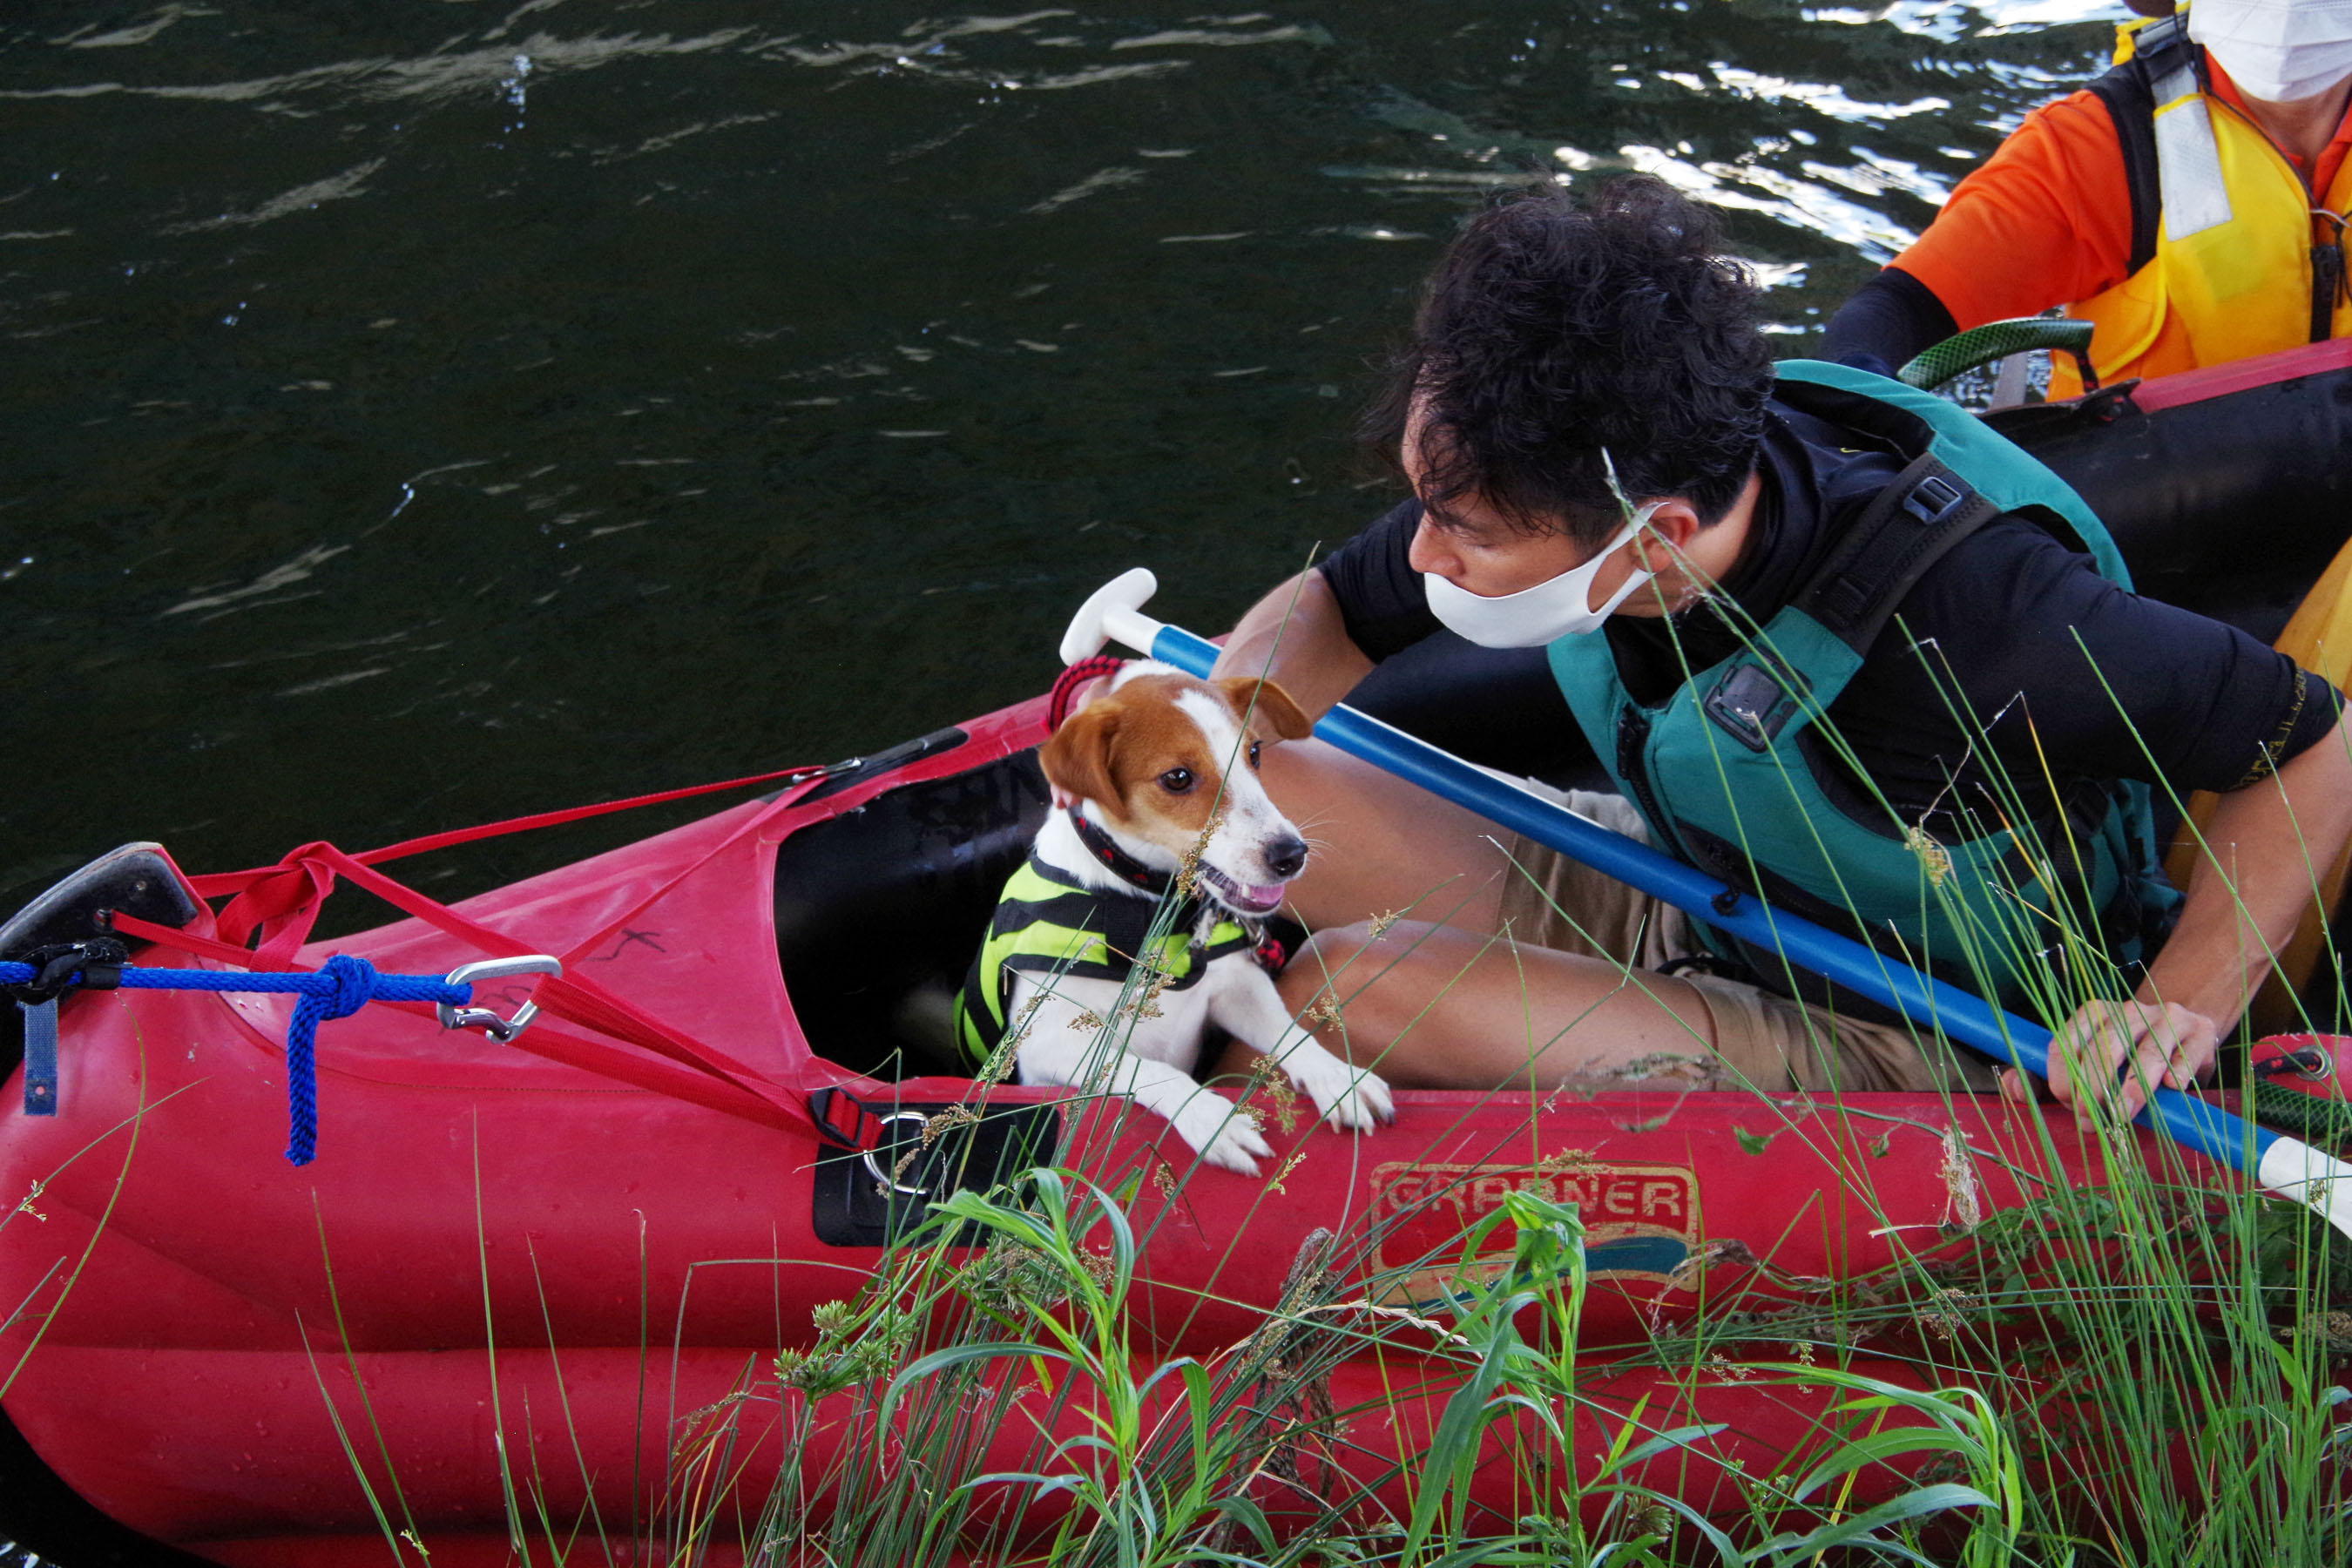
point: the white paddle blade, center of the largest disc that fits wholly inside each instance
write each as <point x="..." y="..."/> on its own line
<point x="2319" y="1182"/>
<point x="1114" y="614"/>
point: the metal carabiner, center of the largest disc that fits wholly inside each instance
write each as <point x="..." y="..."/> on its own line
<point x="886" y="1181"/>
<point x="452" y="1017"/>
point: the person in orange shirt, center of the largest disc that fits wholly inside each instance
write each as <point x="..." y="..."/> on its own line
<point x="2191" y="202"/>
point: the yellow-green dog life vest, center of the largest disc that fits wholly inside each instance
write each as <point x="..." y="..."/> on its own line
<point x="1047" y="924"/>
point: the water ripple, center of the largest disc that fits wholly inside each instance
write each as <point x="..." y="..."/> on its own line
<point x="1797" y="203"/>
<point x="769" y="299"/>
<point x="302" y="198"/>
<point x="428" y="77"/>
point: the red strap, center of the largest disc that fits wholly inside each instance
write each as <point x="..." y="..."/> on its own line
<point x="281" y="902"/>
<point x="183" y="941"/>
<point x="217" y="883"/>
<point x="570" y="814"/>
<point x="581" y="1000"/>
<point x="541" y="1040"/>
<point x="1067" y="684"/>
<point x="660" y="1078"/>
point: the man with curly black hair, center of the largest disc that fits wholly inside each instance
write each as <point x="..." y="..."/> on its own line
<point x="1831" y="640"/>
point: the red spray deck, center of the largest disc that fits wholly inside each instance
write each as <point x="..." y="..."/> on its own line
<point x="636" y="1198"/>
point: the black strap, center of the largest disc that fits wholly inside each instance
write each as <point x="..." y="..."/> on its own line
<point x="2327" y="280"/>
<point x="1907" y="528"/>
<point x="1118" y="861"/>
<point x="2129" y="96"/>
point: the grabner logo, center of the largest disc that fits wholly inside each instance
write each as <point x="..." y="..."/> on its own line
<point x="1641" y="1222"/>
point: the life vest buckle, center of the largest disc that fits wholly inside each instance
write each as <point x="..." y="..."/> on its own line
<point x="1751" y="704"/>
<point x="1933" y="498"/>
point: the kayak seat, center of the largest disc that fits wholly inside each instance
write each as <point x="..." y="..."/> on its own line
<point x="879" y="910"/>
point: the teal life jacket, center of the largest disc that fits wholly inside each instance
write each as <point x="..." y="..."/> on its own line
<point x="1048" y="923"/>
<point x="1735" y="776"/>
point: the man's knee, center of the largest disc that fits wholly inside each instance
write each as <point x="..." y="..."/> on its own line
<point x="1323" y="958"/>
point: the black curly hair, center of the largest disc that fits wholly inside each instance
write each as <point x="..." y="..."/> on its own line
<point x="1550" y="335"/>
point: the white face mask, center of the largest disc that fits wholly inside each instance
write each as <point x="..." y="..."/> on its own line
<point x="1555" y="607"/>
<point x="2278" y="51"/>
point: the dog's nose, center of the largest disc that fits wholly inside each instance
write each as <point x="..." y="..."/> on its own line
<point x="1284" y="855"/>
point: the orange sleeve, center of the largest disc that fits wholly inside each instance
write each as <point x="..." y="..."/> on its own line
<point x="2046" y="221"/>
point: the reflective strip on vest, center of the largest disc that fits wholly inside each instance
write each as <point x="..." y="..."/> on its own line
<point x="2189" y="166"/>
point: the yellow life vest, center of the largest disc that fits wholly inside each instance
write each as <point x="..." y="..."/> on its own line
<point x="2232" y="255"/>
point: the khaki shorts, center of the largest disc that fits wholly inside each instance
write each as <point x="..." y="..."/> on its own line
<point x="1762" y="1040"/>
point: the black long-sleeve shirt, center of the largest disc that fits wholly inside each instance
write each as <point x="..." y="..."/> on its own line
<point x="1890" y="321"/>
<point x="2148" y="691"/>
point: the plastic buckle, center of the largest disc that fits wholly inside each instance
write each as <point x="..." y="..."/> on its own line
<point x="453" y="1016"/>
<point x="63" y="966"/>
<point x="1932" y="498"/>
<point x="1753" y="704"/>
<point x="841" y="1120"/>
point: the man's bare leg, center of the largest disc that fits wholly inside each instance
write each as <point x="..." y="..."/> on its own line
<point x="1382" y="845"/>
<point x="1433" y="1007"/>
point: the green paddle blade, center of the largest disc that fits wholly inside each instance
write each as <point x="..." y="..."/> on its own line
<point x="1994" y="341"/>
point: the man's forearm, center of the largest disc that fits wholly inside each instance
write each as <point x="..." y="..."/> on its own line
<point x="1296" y="636"/>
<point x="2266" y="845"/>
<point x="1887" y="322"/>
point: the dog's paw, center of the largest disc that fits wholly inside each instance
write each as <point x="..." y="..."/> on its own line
<point x="1225" y="1137"/>
<point x="1354" y="1098"/>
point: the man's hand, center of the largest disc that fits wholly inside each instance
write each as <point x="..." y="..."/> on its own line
<point x="2253" y="882"/>
<point x="1296" y="638"/>
<point x="2109" y="1056"/>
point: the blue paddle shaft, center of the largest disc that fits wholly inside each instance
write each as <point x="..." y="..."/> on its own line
<point x="1932" y="1003"/>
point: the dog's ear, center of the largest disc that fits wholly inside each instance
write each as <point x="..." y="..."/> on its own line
<point x="1077" y="757"/>
<point x="1274" y="712"/>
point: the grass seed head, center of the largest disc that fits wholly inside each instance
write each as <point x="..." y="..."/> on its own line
<point x="1268" y="1078"/>
<point x="1933" y="859"/>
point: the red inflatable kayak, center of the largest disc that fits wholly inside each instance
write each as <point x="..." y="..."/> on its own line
<point x="541" y="1258"/>
<point x="561" y="1246"/>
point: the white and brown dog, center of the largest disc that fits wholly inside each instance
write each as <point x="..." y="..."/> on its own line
<point x="1155" y="785"/>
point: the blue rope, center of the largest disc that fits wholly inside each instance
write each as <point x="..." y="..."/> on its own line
<point x="340" y="988"/>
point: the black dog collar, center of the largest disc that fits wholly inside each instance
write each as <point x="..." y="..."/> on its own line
<point x="1274" y="940"/>
<point x="1118" y="861"/>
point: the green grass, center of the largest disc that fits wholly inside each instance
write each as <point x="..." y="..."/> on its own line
<point x="2148" y="1370"/>
<point x="2143" y="1370"/>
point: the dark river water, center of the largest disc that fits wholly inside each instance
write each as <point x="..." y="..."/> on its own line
<point x="418" y="415"/>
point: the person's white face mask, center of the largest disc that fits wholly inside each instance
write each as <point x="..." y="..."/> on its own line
<point x="1554" y="608"/>
<point x="2278" y="51"/>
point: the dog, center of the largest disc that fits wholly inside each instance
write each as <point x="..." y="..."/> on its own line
<point x="1155" y="785"/>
